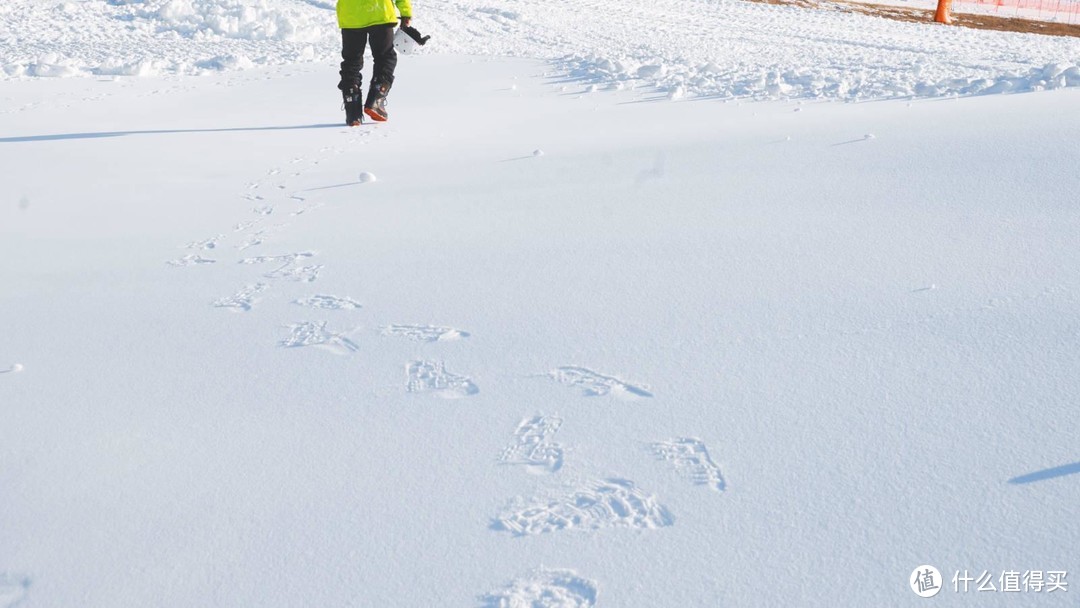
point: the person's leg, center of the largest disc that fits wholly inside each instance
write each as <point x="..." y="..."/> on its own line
<point x="352" y="58"/>
<point x="352" y="61"/>
<point x="382" y="50"/>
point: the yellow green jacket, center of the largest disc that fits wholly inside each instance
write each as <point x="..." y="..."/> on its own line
<point x="365" y="13"/>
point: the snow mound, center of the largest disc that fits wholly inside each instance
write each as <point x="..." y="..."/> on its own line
<point x="154" y="37"/>
<point x="735" y="49"/>
<point x="851" y="82"/>
<point x="230" y="19"/>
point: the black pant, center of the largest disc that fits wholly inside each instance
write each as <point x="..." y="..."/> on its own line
<point x="353" y="41"/>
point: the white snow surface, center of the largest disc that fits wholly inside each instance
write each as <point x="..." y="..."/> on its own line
<point x="707" y="354"/>
<point x="722" y="48"/>
<point x="573" y="347"/>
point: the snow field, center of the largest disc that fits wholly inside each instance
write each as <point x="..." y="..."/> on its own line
<point x="630" y="371"/>
<point x="725" y="49"/>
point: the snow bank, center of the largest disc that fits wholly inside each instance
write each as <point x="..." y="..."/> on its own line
<point x="153" y="37"/>
<point x="233" y="19"/>
<point x="724" y="48"/>
<point x="738" y="49"/>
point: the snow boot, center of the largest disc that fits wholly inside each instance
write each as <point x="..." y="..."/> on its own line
<point x="354" y="106"/>
<point x="375" y="107"/>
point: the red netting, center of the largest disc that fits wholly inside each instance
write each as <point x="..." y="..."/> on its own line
<point x="1057" y="11"/>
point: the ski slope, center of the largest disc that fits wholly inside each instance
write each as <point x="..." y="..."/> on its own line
<point x="531" y="342"/>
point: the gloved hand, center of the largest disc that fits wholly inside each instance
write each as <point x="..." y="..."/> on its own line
<point x="411" y="32"/>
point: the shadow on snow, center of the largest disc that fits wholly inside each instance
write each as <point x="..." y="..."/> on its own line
<point x="103" y="134"/>
<point x="1065" y="469"/>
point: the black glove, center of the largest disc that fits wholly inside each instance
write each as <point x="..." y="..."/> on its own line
<point x="412" y="32"/>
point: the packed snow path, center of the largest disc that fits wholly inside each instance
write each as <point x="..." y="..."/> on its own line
<point x="694" y="354"/>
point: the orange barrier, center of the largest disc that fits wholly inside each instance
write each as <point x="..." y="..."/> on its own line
<point x="942" y="14"/>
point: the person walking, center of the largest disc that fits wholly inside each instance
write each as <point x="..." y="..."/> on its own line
<point x="368" y="23"/>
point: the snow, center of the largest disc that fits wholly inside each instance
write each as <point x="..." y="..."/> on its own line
<point x="1060" y="11"/>
<point x="12" y="589"/>
<point x="696" y="352"/>
<point x="545" y="588"/>
<point x="713" y="48"/>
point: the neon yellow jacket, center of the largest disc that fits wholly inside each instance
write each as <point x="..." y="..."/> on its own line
<point x="365" y="13"/>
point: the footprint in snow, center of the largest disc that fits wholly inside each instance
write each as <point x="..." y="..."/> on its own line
<point x="314" y="333"/>
<point x="209" y="243"/>
<point x="301" y="274"/>
<point x="243" y="300"/>
<point x="607" y="503"/>
<point x="288" y="268"/>
<point x="190" y="260"/>
<point x="431" y="377"/>
<point x="545" y="588"/>
<point x="287" y="258"/>
<point x="532" y="446"/>
<point x="257" y="237"/>
<point x="325" y="302"/>
<point x="13" y="589"/>
<point x="593" y="384"/>
<point x="242" y="226"/>
<point x="690" y="459"/>
<point x="424" y="333"/>
<point x="307" y="208"/>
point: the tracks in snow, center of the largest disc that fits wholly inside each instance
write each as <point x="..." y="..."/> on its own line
<point x="589" y="505"/>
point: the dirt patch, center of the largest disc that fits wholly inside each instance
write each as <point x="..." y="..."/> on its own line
<point x="914" y="15"/>
<point x="1002" y="24"/>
